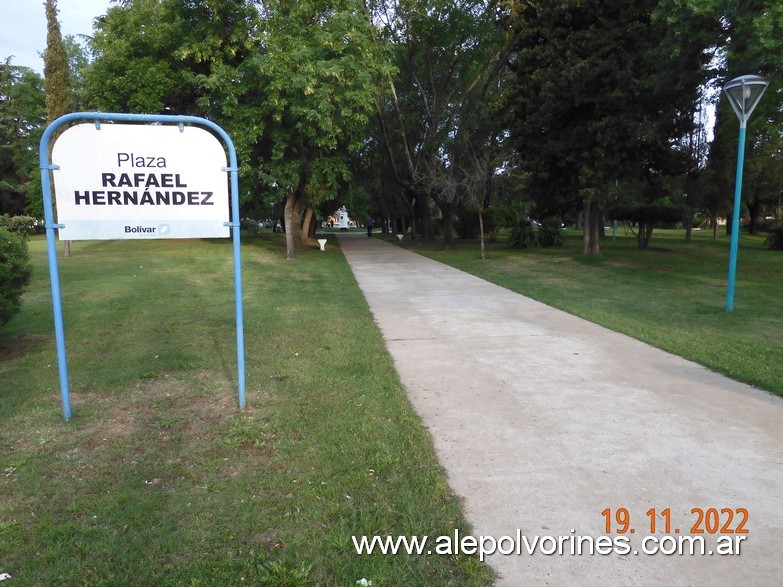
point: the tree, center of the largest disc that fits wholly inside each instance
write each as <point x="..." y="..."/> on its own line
<point x="763" y="176"/>
<point x="78" y="61"/>
<point x="190" y="58"/>
<point x="373" y="180"/>
<point x="752" y="44"/>
<point x="291" y="82"/>
<point x="320" y="67"/>
<point x="653" y="207"/>
<point x="56" y="75"/>
<point x="435" y="117"/>
<point x="136" y="67"/>
<point x="604" y="92"/>
<point x="22" y="118"/>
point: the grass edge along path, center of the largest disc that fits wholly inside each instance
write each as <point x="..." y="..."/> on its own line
<point x="160" y="480"/>
<point x="671" y="296"/>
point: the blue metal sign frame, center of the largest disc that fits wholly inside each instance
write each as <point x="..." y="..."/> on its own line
<point x="54" y="273"/>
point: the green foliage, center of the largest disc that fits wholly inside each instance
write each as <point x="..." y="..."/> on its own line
<point x="22" y="116"/>
<point x="137" y="67"/>
<point x="550" y="234"/>
<point x="437" y="125"/>
<point x="774" y="239"/>
<point x="647" y="215"/>
<point x="291" y="82"/>
<point x="767" y="225"/>
<point x="15" y="273"/>
<point x="660" y="211"/>
<point x="467" y="224"/>
<point x="603" y="91"/>
<point x="194" y="58"/>
<point x="78" y="62"/>
<point x="437" y="226"/>
<point x="524" y="235"/>
<point x="497" y="217"/>
<point x="21" y="225"/>
<point x="502" y="216"/>
<point x="57" y="76"/>
<point x="320" y="70"/>
<point x="751" y="44"/>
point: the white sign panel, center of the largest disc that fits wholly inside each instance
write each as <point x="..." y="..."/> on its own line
<point x="129" y="181"/>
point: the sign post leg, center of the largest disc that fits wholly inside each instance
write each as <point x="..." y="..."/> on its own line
<point x="54" y="278"/>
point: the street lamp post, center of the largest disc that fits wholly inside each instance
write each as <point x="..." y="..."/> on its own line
<point x="744" y="94"/>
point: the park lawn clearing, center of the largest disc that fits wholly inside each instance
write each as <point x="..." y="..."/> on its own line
<point x="671" y="296"/>
<point x="160" y="479"/>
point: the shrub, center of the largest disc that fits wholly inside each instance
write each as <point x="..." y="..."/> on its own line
<point x="524" y="235"/>
<point x="15" y="272"/>
<point x="23" y="225"/>
<point x="647" y="215"/>
<point x="766" y="225"/>
<point x="549" y="235"/>
<point x="502" y="216"/>
<point x="437" y="226"/>
<point x="467" y="224"/>
<point x="497" y="217"/>
<point x="250" y="225"/>
<point x="775" y="239"/>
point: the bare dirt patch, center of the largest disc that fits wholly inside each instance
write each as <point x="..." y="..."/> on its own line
<point x="172" y="402"/>
<point x="18" y="346"/>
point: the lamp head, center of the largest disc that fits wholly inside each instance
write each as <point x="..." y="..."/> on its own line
<point x="744" y="93"/>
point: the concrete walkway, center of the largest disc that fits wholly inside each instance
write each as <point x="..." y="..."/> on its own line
<point x="543" y="421"/>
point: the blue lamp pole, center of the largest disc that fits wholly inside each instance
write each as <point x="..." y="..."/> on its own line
<point x="744" y="94"/>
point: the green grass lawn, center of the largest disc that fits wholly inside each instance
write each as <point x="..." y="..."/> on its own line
<point x="159" y="479"/>
<point x="672" y="296"/>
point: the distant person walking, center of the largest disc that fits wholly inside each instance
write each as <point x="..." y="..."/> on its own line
<point x="370" y="224"/>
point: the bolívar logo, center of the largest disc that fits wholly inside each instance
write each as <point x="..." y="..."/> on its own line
<point x="140" y="229"/>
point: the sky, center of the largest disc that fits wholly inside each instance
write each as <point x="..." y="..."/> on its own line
<point x="23" y="26"/>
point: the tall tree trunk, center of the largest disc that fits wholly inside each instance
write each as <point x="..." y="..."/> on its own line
<point x="288" y="217"/>
<point x="448" y="229"/>
<point x="597" y="222"/>
<point x="447" y="209"/>
<point x="425" y="218"/>
<point x="481" y="231"/>
<point x="403" y="224"/>
<point x="591" y="233"/>
<point x="585" y="227"/>
<point x="308" y="227"/>
<point x="754" y="211"/>
<point x="689" y="225"/>
<point x="294" y="207"/>
<point x="645" y="234"/>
